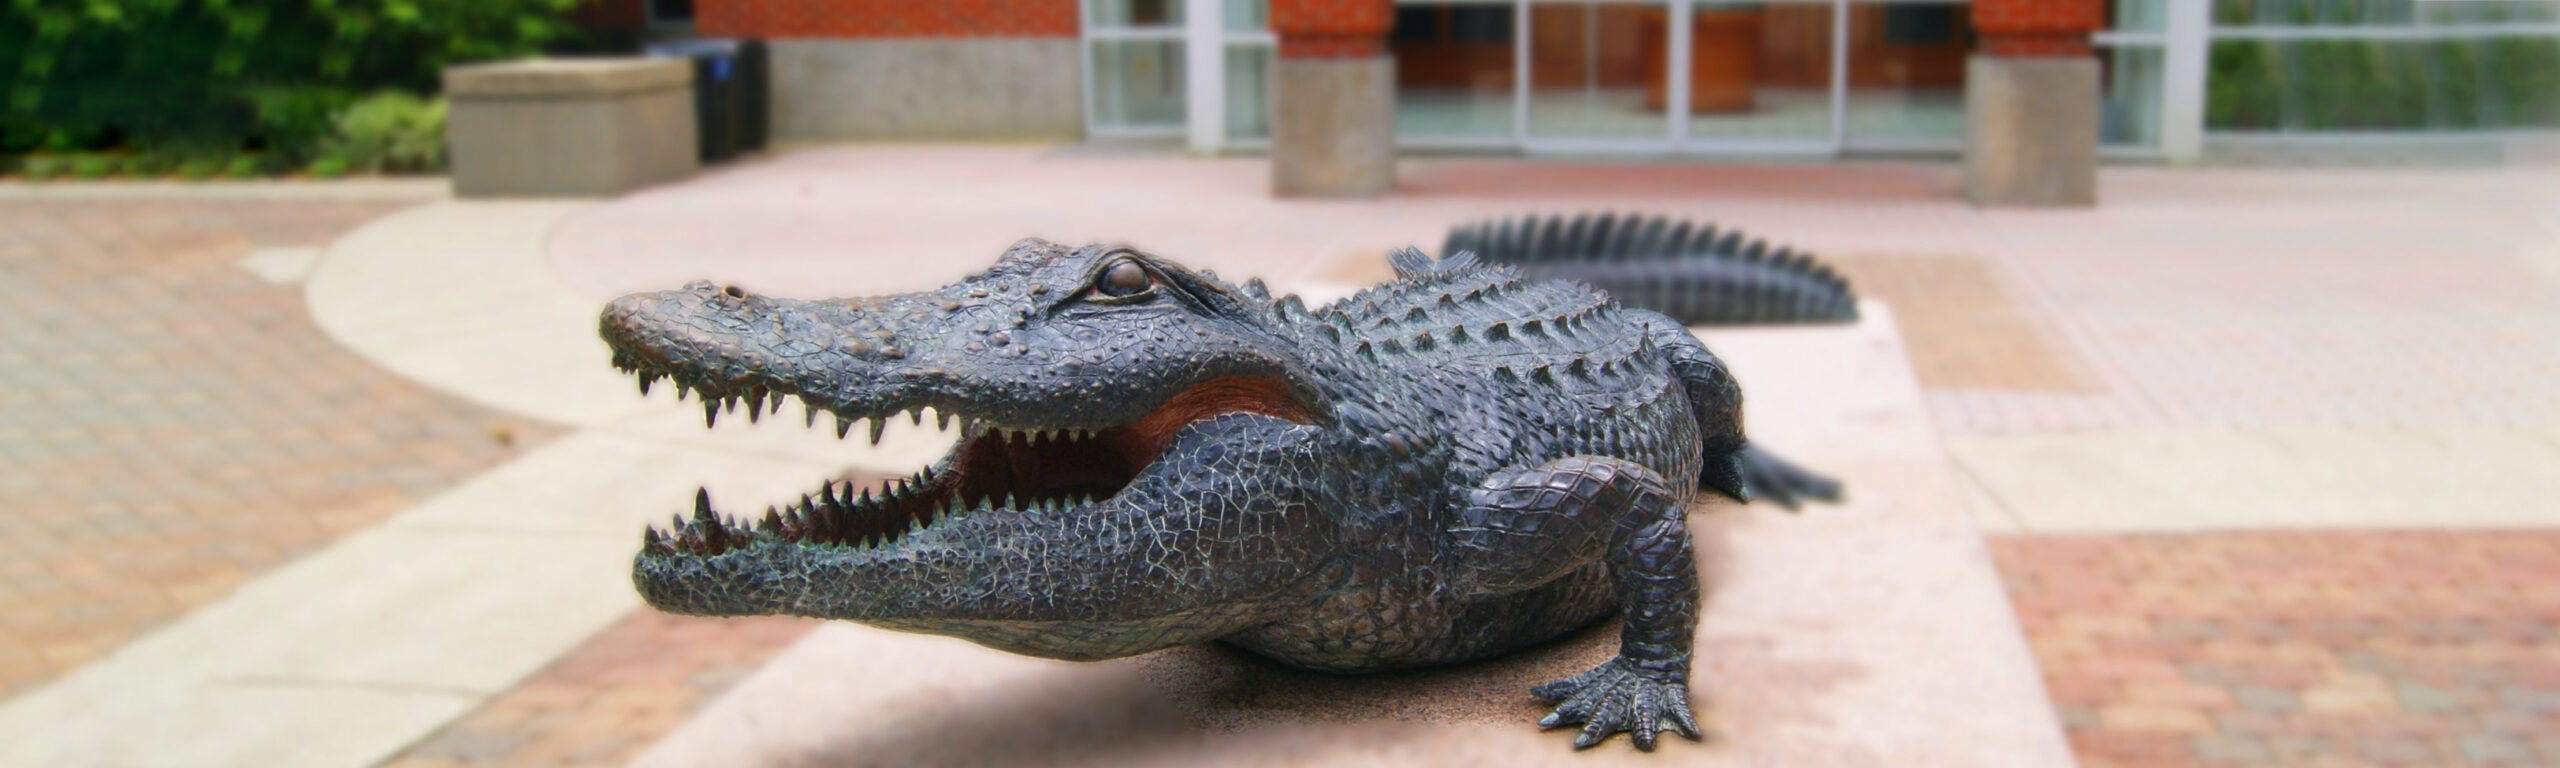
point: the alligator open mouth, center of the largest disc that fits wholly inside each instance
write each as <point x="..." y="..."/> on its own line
<point x="993" y="467"/>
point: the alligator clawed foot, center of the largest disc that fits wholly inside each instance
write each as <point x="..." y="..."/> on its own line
<point x="1778" y="480"/>
<point x="1619" y="697"/>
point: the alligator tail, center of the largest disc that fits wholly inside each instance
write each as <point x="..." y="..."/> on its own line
<point x="1697" y="274"/>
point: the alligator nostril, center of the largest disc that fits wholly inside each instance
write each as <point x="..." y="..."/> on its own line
<point x="734" y="292"/>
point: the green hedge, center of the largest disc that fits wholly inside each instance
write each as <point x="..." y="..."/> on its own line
<point x="200" y="81"/>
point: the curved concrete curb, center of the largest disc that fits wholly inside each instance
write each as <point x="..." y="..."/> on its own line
<point x="459" y="297"/>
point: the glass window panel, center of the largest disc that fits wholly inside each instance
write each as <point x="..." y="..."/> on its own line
<point x="1246" y="15"/>
<point x="1598" y="70"/>
<point x="1137" y="83"/>
<point x="1907" y="70"/>
<point x="2138" y="15"/>
<point x="1124" y="14"/>
<point x="1455" y="66"/>
<point x="1248" y="92"/>
<point x="1762" y="71"/>
<point x="2383" y="85"/>
<point x="2491" y="12"/>
<point x="2129" y="96"/>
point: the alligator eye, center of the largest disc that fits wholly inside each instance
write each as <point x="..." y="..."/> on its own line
<point x="1124" y="279"/>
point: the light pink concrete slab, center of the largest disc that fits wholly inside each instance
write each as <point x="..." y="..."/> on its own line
<point x="1873" y="633"/>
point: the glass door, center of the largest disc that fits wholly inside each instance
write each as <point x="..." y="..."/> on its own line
<point x="1765" y="77"/>
<point x="1906" y="74"/>
<point x="1133" y="68"/>
<point x="1597" y="76"/>
<point x="1456" y="77"/>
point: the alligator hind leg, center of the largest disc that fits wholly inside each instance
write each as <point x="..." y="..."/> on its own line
<point x="1527" y="526"/>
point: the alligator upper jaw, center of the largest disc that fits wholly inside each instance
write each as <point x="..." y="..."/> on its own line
<point x="995" y="467"/>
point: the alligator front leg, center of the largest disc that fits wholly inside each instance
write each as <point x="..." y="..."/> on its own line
<point x="1524" y="527"/>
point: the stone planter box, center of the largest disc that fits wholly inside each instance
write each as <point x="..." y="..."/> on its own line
<point x="569" y="127"/>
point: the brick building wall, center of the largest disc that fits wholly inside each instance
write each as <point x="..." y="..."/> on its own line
<point x="1332" y="29"/>
<point x="2037" y="28"/>
<point x="884" y="19"/>
<point x="913" y="69"/>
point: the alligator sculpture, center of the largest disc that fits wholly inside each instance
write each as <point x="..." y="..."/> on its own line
<point x="1695" y="273"/>
<point x="1447" y="467"/>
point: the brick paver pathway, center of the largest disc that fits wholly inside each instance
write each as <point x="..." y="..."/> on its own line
<point x="610" y="699"/>
<point x="171" y="425"/>
<point x="2405" y="648"/>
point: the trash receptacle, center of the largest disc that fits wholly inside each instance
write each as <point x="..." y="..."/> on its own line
<point x="729" y="93"/>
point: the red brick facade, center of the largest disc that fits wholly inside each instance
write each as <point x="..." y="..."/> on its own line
<point x="855" y="19"/>
<point x="1332" y="29"/>
<point x="2033" y="28"/>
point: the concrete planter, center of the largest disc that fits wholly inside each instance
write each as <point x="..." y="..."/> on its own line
<point x="569" y="127"/>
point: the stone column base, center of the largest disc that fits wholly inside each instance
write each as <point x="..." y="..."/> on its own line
<point x="569" y="127"/>
<point x="1333" y="127"/>
<point x="2031" y="131"/>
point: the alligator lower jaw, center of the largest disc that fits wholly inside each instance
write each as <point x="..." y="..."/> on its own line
<point x="994" y="468"/>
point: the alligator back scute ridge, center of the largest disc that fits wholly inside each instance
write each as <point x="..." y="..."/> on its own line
<point x="1698" y="274"/>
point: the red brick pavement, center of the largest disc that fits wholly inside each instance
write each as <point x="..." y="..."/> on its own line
<point x="2297" y="648"/>
<point x="605" y="702"/>
<point x="171" y="426"/>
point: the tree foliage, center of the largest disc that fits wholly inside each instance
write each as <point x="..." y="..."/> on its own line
<point x="225" y="74"/>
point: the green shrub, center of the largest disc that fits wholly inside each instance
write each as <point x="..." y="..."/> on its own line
<point x="199" y="169"/>
<point x="328" y="167"/>
<point x="41" y="167"/>
<point x="244" y="166"/>
<point x="261" y="75"/>
<point x="95" y="166"/>
<point x="390" y="131"/>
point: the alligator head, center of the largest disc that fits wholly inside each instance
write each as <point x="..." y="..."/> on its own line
<point x="1121" y="482"/>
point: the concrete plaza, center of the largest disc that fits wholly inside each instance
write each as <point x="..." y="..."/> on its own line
<point x="2267" y="455"/>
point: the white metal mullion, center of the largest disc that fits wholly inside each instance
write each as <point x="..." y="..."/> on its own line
<point x="1204" y="83"/>
<point x="2187" y="47"/>
<point x="1520" y="73"/>
<point x="1683" y="51"/>
<point x="1839" y="75"/>
<point x="1084" y="56"/>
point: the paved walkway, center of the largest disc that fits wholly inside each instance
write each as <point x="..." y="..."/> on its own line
<point x="2211" y="350"/>
<point x="173" y="424"/>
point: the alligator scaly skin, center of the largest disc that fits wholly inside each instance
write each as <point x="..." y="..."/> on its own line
<point x="1450" y="466"/>
<point x="1696" y="274"/>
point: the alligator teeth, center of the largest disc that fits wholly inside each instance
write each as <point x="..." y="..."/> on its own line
<point x="844" y="426"/>
<point x="645" y="381"/>
<point x="878" y="426"/>
<point x="942" y="420"/>
<point x="916" y="417"/>
<point x="710" y="412"/>
<point x="809" y="412"/>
